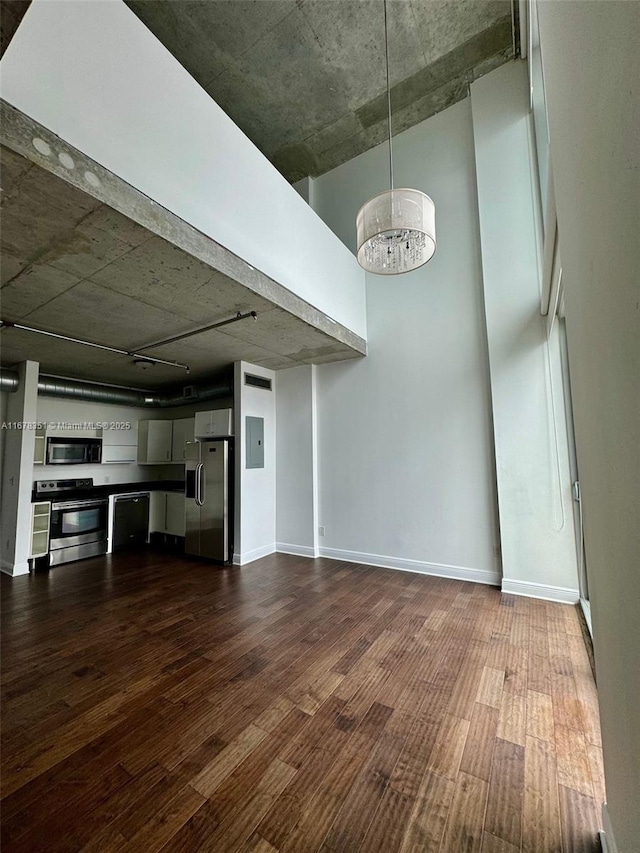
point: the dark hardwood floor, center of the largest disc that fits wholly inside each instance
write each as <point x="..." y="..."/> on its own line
<point x="158" y="703"/>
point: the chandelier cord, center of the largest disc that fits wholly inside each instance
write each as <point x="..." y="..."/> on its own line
<point x="386" y="53"/>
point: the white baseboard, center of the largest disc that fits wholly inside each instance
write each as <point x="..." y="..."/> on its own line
<point x="297" y="550"/>
<point x="607" y="839"/>
<point x="440" y="570"/>
<point x="562" y="594"/>
<point x="14" y="569"/>
<point x="256" y="554"/>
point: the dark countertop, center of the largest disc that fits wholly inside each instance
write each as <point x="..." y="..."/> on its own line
<point x="112" y="489"/>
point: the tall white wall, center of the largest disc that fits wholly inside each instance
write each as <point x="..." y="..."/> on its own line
<point x="405" y="447"/>
<point x="95" y="75"/>
<point x="591" y="60"/>
<point x="255" y="499"/>
<point x="296" y="449"/>
<point x="532" y="463"/>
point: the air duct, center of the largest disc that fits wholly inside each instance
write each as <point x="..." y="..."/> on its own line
<point x="54" y="386"/>
<point x="8" y="380"/>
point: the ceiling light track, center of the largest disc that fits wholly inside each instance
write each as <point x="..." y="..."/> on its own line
<point x="199" y="331"/>
<point x="8" y="324"/>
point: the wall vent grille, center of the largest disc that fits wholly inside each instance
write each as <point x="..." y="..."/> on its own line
<point x="257" y="381"/>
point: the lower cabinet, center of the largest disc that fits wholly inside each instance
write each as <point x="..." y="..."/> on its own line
<point x="40" y="522"/>
<point x="175" y="523"/>
<point x="167" y="513"/>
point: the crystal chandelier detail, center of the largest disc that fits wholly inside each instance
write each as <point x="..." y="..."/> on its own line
<point x="396" y="229"/>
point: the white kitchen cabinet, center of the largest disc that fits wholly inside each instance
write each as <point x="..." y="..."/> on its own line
<point x="183" y="431"/>
<point x="157" y="511"/>
<point x="154" y="442"/>
<point x="215" y="423"/>
<point x="120" y="445"/>
<point x="175" y="516"/>
<point x="119" y="453"/>
<point x="127" y="435"/>
<point x="40" y="523"/>
<point x="167" y="513"/>
<point x="202" y="424"/>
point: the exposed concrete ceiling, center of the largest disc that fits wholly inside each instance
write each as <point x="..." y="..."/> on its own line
<point x="305" y="79"/>
<point x="75" y="266"/>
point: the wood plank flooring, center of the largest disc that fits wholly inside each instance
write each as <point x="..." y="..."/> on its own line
<point x="292" y="706"/>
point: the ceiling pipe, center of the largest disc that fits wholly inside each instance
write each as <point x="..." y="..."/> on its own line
<point x="54" y="386"/>
<point x="163" y="341"/>
<point x="9" y="324"/>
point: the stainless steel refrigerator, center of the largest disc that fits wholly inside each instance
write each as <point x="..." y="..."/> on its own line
<point x="209" y="499"/>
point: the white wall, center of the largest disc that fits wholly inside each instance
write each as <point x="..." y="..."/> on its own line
<point x="296" y="450"/>
<point x="176" y="412"/>
<point x="405" y="448"/>
<point x="95" y="75"/>
<point x="255" y="503"/>
<point x="591" y="58"/>
<point x="532" y="462"/>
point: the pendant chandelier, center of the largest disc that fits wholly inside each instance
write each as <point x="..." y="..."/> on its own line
<point x="396" y="229"/>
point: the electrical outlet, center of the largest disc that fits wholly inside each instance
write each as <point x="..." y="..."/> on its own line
<point x="321" y="531"/>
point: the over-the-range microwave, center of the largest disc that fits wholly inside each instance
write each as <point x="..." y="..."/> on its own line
<point x="73" y="451"/>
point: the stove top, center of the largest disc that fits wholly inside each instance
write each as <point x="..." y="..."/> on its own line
<point x="48" y="487"/>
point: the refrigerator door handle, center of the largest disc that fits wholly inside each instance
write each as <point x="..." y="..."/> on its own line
<point x="198" y="494"/>
<point x="203" y="478"/>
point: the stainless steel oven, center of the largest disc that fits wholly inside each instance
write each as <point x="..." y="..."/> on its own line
<point x="73" y="451"/>
<point x="78" y="529"/>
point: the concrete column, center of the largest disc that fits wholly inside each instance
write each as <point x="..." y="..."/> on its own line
<point x="315" y="487"/>
<point x="255" y="517"/>
<point x="17" y="471"/>
<point x="297" y="454"/>
<point x="532" y="471"/>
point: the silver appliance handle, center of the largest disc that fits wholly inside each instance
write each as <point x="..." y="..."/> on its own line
<point x="131" y="497"/>
<point x="198" y="496"/>
<point x="79" y="504"/>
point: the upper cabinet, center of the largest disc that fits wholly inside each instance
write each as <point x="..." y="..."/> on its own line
<point x="118" y="453"/>
<point x="160" y="442"/>
<point x="216" y="423"/>
<point x="154" y="442"/>
<point x="119" y="442"/>
<point x="183" y="431"/>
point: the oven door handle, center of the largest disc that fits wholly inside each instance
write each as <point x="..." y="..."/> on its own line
<point x="79" y="504"/>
